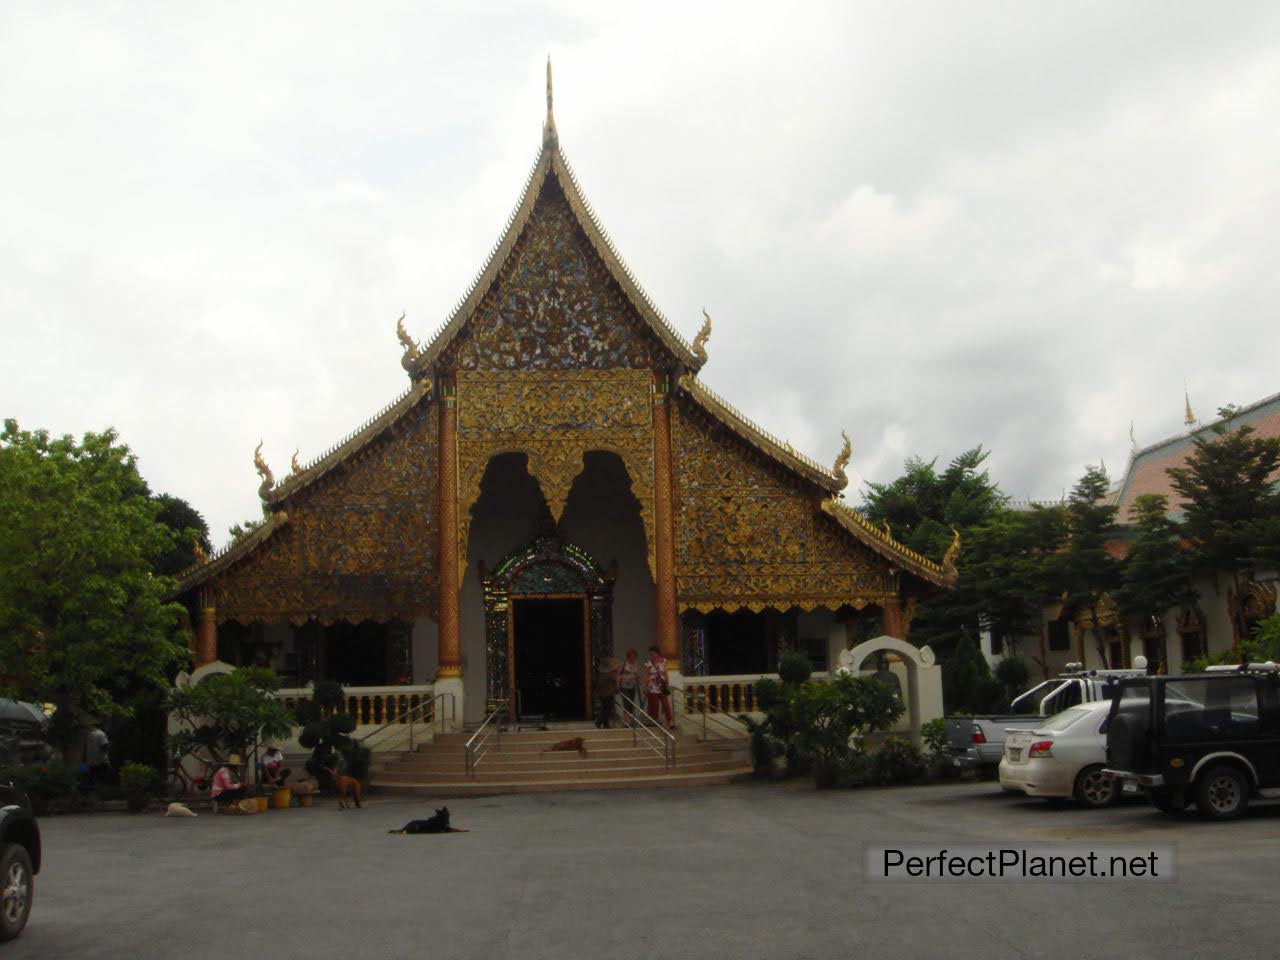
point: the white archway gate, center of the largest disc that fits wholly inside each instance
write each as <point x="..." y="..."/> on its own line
<point x="924" y="677"/>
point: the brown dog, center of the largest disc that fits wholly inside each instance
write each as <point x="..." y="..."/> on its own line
<point x="346" y="785"/>
<point x="573" y="743"/>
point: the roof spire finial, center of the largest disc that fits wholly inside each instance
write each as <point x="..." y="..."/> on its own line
<point x="549" y="136"/>
<point x="1133" y="440"/>
<point x="700" y="341"/>
<point x="1190" y="417"/>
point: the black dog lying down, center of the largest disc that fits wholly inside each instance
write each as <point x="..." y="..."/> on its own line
<point x="437" y="824"/>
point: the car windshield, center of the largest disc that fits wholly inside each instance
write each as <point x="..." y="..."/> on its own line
<point x="1060" y="721"/>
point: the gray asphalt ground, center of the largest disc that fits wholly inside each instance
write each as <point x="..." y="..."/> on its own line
<point x="747" y="871"/>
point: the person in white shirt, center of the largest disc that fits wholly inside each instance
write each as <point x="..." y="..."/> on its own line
<point x="272" y="770"/>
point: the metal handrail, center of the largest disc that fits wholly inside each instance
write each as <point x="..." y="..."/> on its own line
<point x="737" y="729"/>
<point x="399" y="721"/>
<point x="660" y="741"/>
<point x="477" y="743"/>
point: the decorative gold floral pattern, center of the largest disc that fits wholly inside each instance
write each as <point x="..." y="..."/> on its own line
<point x="751" y="535"/>
<point x="360" y="544"/>
<point x="554" y="305"/>
<point x="554" y="417"/>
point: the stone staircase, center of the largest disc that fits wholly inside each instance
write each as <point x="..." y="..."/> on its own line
<point x="522" y="764"/>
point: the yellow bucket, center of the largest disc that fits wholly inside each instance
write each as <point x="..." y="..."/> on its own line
<point x="280" y="798"/>
<point x="262" y="804"/>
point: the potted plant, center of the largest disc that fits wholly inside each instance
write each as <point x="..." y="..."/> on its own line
<point x="137" y="780"/>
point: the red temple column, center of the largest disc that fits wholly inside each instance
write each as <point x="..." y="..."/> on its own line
<point x="206" y="631"/>
<point x="664" y="521"/>
<point x="895" y="622"/>
<point x="449" y="642"/>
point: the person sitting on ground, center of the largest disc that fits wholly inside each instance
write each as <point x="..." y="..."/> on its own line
<point x="273" y="772"/>
<point x="226" y="787"/>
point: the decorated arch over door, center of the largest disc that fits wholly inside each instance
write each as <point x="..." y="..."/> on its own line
<point x="546" y="567"/>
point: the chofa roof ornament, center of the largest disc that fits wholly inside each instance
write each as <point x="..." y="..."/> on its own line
<point x="699" y="344"/>
<point x="411" y="349"/>
<point x="842" y="460"/>
<point x="294" y="466"/>
<point x="550" y="138"/>
<point x="949" y="570"/>
<point x="268" y="481"/>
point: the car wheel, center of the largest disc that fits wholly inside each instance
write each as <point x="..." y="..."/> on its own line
<point x="1222" y="793"/>
<point x="18" y="889"/>
<point x="1091" y="790"/>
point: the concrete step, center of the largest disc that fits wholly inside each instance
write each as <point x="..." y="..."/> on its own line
<point x="472" y="788"/>
<point x="483" y="775"/>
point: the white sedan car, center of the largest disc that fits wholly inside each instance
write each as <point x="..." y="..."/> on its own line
<point x="1063" y="757"/>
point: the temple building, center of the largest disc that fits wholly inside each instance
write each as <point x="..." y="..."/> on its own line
<point x="555" y="485"/>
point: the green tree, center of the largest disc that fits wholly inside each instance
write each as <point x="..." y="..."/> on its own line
<point x="923" y="507"/>
<point x="229" y="713"/>
<point x="1156" y="576"/>
<point x="1231" y="514"/>
<point x="1009" y="575"/>
<point x="1086" y="568"/>
<point x="189" y="529"/>
<point x="81" y="613"/>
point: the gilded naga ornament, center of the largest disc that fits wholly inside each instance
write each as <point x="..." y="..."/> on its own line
<point x="411" y="349"/>
<point x="197" y="548"/>
<point x="268" y="481"/>
<point x="700" y="341"/>
<point x="949" y="570"/>
<point x="842" y="460"/>
<point x="294" y="466"/>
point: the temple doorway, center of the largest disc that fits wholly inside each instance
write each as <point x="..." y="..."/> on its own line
<point x="550" y="658"/>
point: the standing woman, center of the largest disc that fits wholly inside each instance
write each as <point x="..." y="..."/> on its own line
<point x="657" y="691"/>
<point x="629" y="678"/>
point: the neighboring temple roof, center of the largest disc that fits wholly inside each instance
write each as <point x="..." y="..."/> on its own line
<point x="1148" y="467"/>
<point x="237" y="549"/>
<point x="879" y="541"/>
<point x="758" y="437"/>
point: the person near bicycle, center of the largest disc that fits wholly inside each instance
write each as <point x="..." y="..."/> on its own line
<point x="271" y="768"/>
<point x="226" y="786"/>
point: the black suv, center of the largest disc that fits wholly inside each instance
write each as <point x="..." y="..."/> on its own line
<point x="19" y="860"/>
<point x="1210" y="739"/>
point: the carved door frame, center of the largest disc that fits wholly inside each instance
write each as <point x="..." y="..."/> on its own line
<point x="546" y="567"/>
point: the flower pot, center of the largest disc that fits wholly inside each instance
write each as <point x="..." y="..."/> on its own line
<point x="280" y="798"/>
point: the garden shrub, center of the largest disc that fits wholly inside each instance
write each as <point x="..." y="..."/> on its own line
<point x="898" y="761"/>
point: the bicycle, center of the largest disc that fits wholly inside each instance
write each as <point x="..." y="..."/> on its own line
<point x="182" y="779"/>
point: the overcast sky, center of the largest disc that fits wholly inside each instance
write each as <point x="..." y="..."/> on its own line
<point x="934" y="225"/>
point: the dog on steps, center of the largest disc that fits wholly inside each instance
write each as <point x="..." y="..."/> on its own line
<point x="573" y="743"/>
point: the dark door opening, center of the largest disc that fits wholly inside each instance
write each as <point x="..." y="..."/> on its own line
<point x="549" y="652"/>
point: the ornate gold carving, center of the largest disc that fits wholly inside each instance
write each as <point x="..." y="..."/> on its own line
<point x="949" y="570"/>
<point x="749" y="534"/>
<point x="360" y="542"/>
<point x="553" y="305"/>
<point x="295" y="467"/>
<point x="842" y="460"/>
<point x="264" y="472"/>
<point x="411" y="349"/>
<point x="554" y="417"/>
<point x="700" y="341"/>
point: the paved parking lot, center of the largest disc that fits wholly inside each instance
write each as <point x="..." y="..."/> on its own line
<point x="747" y="871"/>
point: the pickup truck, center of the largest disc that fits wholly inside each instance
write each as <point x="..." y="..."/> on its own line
<point x="977" y="742"/>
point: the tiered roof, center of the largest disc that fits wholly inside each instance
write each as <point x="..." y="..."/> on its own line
<point x="420" y="363"/>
